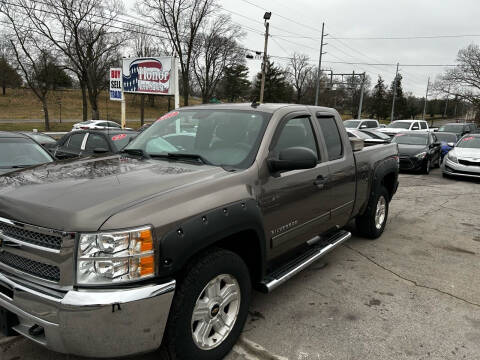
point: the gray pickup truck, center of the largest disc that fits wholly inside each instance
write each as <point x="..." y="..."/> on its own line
<point x="159" y="247"/>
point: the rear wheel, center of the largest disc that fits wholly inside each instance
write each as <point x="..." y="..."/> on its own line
<point x="371" y="223"/>
<point x="210" y="307"/>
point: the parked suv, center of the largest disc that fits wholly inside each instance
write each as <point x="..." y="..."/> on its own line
<point x="459" y="129"/>
<point x="115" y="255"/>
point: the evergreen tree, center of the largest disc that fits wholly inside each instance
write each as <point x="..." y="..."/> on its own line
<point x="379" y="105"/>
<point x="235" y="84"/>
<point x="277" y="89"/>
<point x="9" y="77"/>
<point x="400" y="101"/>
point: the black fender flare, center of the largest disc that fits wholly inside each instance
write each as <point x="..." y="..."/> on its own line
<point x="188" y="238"/>
<point x="382" y="169"/>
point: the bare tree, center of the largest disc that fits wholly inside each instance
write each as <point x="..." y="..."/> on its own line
<point x="181" y="21"/>
<point x="463" y="81"/>
<point x="299" y="70"/>
<point x="215" y="49"/>
<point x="31" y="55"/>
<point x="81" y="31"/>
<point x="144" y="44"/>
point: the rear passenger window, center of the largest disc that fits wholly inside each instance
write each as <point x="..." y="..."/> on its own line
<point x="96" y="141"/>
<point x="371" y="124"/>
<point x="75" y="141"/>
<point x="423" y="125"/>
<point x="332" y="137"/>
<point x="296" y="132"/>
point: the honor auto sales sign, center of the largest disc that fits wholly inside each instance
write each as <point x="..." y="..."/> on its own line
<point x="149" y="75"/>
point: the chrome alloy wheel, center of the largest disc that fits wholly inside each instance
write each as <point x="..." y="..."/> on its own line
<point x="215" y="312"/>
<point x="380" y="212"/>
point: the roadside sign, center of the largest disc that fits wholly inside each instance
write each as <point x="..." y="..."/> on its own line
<point x="116" y="92"/>
<point x="152" y="75"/>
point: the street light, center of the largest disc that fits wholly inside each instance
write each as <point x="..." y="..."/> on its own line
<point x="266" y="17"/>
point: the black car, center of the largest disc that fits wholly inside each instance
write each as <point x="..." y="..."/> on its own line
<point x="459" y="129"/>
<point x="18" y="151"/>
<point x="418" y="150"/>
<point x="45" y="140"/>
<point x="88" y="142"/>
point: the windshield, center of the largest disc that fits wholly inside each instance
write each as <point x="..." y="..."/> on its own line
<point x="21" y="152"/>
<point x="358" y="134"/>
<point x="377" y="134"/>
<point x="472" y="142"/>
<point x="456" y="128"/>
<point x="411" y="139"/>
<point x="399" y="125"/>
<point x="445" y="137"/>
<point x="221" y="137"/>
<point x="351" y="123"/>
<point x="121" y="140"/>
<point x="42" y="139"/>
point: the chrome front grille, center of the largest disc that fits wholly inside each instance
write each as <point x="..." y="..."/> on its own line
<point x="35" y="268"/>
<point x="36" y="253"/>
<point x="32" y="237"/>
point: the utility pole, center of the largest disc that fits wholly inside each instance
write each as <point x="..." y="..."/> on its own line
<point x="446" y="104"/>
<point x="394" y="95"/>
<point x="266" y="17"/>
<point x="361" y="97"/>
<point x="319" y="72"/>
<point x="426" y="96"/>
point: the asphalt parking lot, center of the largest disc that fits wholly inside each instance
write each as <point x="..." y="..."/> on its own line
<point x="412" y="294"/>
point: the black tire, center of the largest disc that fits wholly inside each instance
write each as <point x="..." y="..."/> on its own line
<point x="366" y="224"/>
<point x="437" y="164"/>
<point x="426" y="168"/>
<point x="178" y="340"/>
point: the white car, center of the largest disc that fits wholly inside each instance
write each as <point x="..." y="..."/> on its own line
<point x="361" y="124"/>
<point x="464" y="158"/>
<point x="97" y="125"/>
<point x="399" y="126"/>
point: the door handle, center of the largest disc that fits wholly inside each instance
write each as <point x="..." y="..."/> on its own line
<point x="320" y="181"/>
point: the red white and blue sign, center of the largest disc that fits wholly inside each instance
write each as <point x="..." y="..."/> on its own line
<point x="116" y="84"/>
<point x="148" y="75"/>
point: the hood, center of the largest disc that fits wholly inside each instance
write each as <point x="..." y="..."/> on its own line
<point x="411" y="150"/>
<point x="467" y="153"/>
<point x="82" y="194"/>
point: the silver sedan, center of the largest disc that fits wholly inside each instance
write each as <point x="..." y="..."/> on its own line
<point x="464" y="158"/>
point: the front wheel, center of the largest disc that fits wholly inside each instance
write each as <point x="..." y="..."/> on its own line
<point x="371" y="224"/>
<point x="210" y="307"/>
<point x="426" y="168"/>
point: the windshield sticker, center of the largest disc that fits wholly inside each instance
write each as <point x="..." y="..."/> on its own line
<point x="468" y="138"/>
<point x="168" y="115"/>
<point x="119" y="137"/>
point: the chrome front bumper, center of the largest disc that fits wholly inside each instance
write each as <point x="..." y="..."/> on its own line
<point x="91" y="323"/>
<point x="455" y="169"/>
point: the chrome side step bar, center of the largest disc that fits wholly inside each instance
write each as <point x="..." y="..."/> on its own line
<point x="278" y="277"/>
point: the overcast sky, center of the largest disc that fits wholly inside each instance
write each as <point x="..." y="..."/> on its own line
<point x="367" y="18"/>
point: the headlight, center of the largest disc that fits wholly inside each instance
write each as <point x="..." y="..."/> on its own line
<point x="113" y="257"/>
<point x="421" y="155"/>
<point x="451" y="156"/>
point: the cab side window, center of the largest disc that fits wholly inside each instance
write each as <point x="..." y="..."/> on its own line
<point x="331" y="136"/>
<point x="296" y="132"/>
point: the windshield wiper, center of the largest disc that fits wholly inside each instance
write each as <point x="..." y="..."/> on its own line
<point x="182" y="156"/>
<point x="136" y="152"/>
<point x="16" y="166"/>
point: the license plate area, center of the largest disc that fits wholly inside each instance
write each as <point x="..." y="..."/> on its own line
<point x="7" y="321"/>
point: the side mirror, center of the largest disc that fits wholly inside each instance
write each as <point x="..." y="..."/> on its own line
<point x="437" y="143"/>
<point x="294" y="158"/>
<point x="451" y="144"/>
<point x="363" y="126"/>
<point x="415" y="128"/>
<point x="357" y="144"/>
<point x="100" y="151"/>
